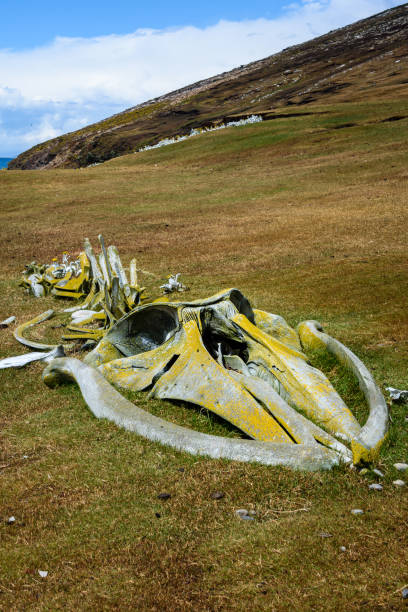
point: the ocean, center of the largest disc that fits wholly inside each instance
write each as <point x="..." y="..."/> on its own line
<point x="4" y="161"/>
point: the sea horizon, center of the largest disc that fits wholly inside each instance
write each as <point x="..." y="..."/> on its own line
<point x="4" y="161"/>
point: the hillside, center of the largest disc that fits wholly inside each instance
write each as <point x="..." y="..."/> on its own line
<point x="365" y="61"/>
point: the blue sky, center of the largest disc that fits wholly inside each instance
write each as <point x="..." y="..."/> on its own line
<point x="64" y="65"/>
<point x="27" y="23"/>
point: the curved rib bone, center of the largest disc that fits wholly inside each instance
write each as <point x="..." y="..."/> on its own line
<point x="105" y="402"/>
<point x="367" y="444"/>
<point x="18" y="332"/>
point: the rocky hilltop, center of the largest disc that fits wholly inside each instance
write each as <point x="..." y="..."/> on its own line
<point x="363" y="61"/>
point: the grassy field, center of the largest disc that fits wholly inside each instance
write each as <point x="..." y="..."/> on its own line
<point x="307" y="216"/>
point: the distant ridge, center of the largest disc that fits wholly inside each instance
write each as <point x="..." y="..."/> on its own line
<point x="363" y="61"/>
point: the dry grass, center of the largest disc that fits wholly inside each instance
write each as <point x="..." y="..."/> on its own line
<point x="308" y="221"/>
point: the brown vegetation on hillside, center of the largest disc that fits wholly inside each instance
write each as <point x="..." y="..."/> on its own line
<point x="355" y="63"/>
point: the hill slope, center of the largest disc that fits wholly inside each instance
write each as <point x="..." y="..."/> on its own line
<point x="364" y="61"/>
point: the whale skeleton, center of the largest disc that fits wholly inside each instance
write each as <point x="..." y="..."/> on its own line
<point x="243" y="364"/>
<point x="247" y="366"/>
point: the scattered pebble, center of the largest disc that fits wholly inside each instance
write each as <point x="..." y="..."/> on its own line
<point x="399" y="483"/>
<point x="43" y="573"/>
<point x="357" y="511"/>
<point x="241" y="511"/>
<point x="217" y="495"/>
<point x="157" y="514"/>
<point x="343" y="548"/>
<point x="163" y="496"/>
<point x="376" y="486"/>
<point x="25" y="456"/>
<point x="325" y="534"/>
<point x="363" y="471"/>
<point x="378" y="473"/>
<point x="404" y="593"/>
<point x="244" y="515"/>
<point x="180" y="469"/>
<point x="11" y="520"/>
<point x="401" y="467"/>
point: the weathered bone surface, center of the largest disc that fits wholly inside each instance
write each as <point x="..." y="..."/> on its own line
<point x="101" y="282"/>
<point x="105" y="402"/>
<point x="398" y="395"/>
<point x="173" y="284"/>
<point x="211" y="353"/>
<point x="6" y="322"/>
<point x="21" y="360"/>
<point x="65" y="279"/>
<point x="19" y="332"/>
<point x="247" y="366"/>
<point x="367" y="443"/>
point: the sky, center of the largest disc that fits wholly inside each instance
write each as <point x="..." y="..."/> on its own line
<point x="64" y="65"/>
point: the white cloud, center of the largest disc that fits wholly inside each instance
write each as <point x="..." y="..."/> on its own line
<point x="63" y="86"/>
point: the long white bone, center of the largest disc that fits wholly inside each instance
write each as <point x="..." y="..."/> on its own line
<point x="21" y="360"/>
<point x="366" y="445"/>
<point x="105" y="402"/>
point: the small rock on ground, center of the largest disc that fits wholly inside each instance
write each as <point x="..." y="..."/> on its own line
<point x="357" y="511"/>
<point x="404" y="593"/>
<point x="217" y="495"/>
<point x="376" y="487"/>
<point x="163" y="496"/>
<point x="399" y="483"/>
<point x="243" y="514"/>
<point x="378" y="473"/>
<point x="401" y="467"/>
